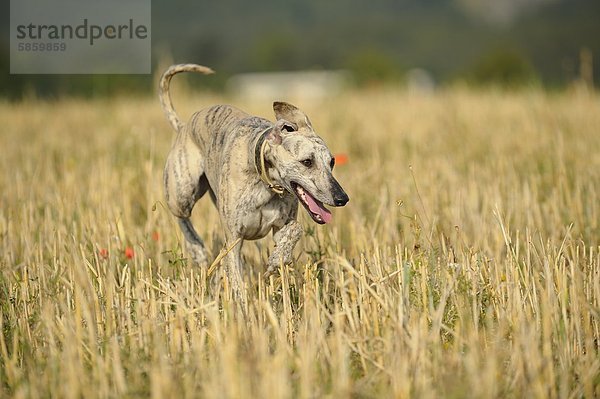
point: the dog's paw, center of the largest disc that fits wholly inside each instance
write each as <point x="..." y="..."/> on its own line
<point x="274" y="267"/>
<point x="199" y="258"/>
<point x="197" y="255"/>
<point x="271" y="269"/>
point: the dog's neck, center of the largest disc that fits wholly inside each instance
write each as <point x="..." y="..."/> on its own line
<point x="258" y="150"/>
<point x="261" y="164"/>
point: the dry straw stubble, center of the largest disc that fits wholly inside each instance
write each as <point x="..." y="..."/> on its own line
<point x="466" y="264"/>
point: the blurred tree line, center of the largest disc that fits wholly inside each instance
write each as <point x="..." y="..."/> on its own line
<point x="377" y="41"/>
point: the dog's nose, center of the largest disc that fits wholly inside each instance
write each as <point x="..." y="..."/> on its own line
<point x="342" y="200"/>
<point x="339" y="196"/>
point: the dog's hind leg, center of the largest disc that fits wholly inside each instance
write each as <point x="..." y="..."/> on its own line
<point x="185" y="183"/>
<point x="194" y="246"/>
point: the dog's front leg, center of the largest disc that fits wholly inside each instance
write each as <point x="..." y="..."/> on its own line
<point x="233" y="268"/>
<point x="286" y="239"/>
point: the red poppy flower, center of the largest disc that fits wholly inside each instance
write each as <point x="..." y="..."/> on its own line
<point x="129" y="253"/>
<point x="341" y="159"/>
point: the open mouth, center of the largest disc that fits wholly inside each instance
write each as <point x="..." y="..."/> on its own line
<point x="315" y="208"/>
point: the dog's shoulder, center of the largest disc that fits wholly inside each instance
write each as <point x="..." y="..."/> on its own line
<point x="255" y="123"/>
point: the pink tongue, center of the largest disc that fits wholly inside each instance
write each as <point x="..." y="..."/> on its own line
<point x="316" y="208"/>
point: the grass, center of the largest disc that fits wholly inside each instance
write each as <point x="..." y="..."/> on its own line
<point x="467" y="263"/>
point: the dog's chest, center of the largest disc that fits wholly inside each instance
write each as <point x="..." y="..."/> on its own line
<point x="258" y="223"/>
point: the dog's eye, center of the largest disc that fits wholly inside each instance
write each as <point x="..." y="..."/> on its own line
<point x="307" y="162"/>
<point x="332" y="163"/>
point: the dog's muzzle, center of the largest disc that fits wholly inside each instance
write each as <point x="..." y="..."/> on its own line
<point x="315" y="208"/>
<point x="340" y="198"/>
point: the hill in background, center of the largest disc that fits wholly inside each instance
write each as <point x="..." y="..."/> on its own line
<point x="505" y="42"/>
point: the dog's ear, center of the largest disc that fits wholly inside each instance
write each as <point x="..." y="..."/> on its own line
<point x="290" y="113"/>
<point x="285" y="126"/>
<point x="274" y="136"/>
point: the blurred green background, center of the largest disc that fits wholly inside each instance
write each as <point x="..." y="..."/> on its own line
<point x="480" y="42"/>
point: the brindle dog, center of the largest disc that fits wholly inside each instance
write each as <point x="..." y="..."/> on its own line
<point x="255" y="172"/>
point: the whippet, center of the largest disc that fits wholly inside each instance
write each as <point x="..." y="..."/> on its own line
<point x="255" y="172"/>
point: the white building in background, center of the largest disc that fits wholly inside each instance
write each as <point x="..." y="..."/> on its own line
<point x="419" y="80"/>
<point x="270" y="86"/>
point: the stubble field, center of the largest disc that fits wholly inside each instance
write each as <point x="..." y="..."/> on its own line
<point x="466" y="264"/>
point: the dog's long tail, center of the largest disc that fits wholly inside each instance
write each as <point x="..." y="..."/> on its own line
<point x="165" y="96"/>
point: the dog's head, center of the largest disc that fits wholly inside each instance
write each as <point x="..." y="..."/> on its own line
<point x="300" y="161"/>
